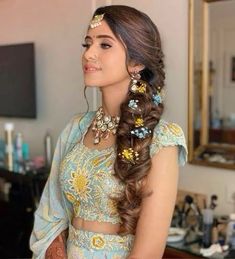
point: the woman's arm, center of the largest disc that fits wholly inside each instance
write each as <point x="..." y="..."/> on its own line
<point x="157" y="209"/>
<point x="57" y="249"/>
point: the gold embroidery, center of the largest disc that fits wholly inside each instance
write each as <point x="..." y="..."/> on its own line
<point x="76" y="208"/>
<point x="97" y="242"/>
<point x="79" y="183"/>
<point x="112" y="206"/>
<point x="175" y="129"/>
<point x="100" y="159"/>
<point x="70" y="197"/>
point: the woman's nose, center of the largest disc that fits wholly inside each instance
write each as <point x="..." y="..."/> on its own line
<point x="90" y="53"/>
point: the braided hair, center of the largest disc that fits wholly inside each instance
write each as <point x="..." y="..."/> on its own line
<point x="141" y="39"/>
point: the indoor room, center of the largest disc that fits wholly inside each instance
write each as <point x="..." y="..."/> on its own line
<point x="42" y="89"/>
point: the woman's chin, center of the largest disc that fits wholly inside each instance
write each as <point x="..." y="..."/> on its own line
<point x="90" y="85"/>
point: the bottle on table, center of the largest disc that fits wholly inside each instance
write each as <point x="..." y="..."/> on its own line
<point x="48" y="149"/>
<point x="19" y="167"/>
<point x="207" y="227"/>
<point x="9" y="146"/>
<point x="230" y="238"/>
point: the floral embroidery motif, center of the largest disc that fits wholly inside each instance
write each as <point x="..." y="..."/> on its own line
<point x="80" y="184"/>
<point x="76" y="207"/>
<point x="88" y="181"/>
<point x="87" y="176"/>
<point x="169" y="134"/>
<point x="112" y="205"/>
<point x="70" y="197"/>
<point x="97" y="242"/>
<point x="99" y="160"/>
<point x="175" y="129"/>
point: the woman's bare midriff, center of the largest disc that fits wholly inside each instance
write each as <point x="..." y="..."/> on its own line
<point x="95" y="226"/>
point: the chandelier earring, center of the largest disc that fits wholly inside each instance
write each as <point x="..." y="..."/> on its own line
<point x="137" y="85"/>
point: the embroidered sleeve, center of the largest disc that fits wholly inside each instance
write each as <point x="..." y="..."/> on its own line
<point x="169" y="134"/>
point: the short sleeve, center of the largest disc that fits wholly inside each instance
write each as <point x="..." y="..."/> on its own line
<point x="169" y="134"/>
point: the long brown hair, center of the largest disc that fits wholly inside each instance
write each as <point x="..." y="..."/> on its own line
<point x="143" y="45"/>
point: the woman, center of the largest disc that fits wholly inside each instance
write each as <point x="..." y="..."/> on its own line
<point x="113" y="180"/>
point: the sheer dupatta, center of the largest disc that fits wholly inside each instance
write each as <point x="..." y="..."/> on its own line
<point x="54" y="212"/>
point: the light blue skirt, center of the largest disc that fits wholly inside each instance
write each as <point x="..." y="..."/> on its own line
<point x="83" y="244"/>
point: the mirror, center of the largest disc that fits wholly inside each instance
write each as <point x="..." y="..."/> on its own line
<point x="212" y="83"/>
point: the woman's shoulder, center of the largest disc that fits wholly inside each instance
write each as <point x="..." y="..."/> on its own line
<point x="77" y="124"/>
<point x="83" y="118"/>
<point x="80" y="119"/>
<point x="169" y="134"/>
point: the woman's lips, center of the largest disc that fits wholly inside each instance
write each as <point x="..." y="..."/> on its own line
<point x="90" y="68"/>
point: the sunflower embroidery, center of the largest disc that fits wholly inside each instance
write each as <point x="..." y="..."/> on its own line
<point x="80" y="184"/>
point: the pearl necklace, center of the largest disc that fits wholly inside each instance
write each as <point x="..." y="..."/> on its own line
<point x="103" y="125"/>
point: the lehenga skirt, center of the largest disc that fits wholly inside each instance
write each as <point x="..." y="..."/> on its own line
<point x="83" y="244"/>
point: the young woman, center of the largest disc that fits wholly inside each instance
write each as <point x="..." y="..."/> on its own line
<point x="113" y="180"/>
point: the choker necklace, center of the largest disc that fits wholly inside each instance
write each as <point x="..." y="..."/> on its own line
<point x="103" y="125"/>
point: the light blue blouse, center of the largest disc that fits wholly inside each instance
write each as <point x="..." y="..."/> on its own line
<point x="81" y="181"/>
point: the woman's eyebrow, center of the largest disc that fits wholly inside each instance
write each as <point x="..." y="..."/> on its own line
<point x="100" y="37"/>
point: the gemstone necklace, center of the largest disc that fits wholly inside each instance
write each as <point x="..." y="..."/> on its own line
<point x="104" y="125"/>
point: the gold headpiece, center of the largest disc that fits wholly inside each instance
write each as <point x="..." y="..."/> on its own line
<point x="96" y="21"/>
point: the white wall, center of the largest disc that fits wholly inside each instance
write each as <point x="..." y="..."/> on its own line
<point x="57" y="28"/>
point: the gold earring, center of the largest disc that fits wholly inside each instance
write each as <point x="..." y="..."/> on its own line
<point x="137" y="85"/>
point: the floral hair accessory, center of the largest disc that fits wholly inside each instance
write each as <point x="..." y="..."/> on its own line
<point x="138" y="87"/>
<point x="141" y="133"/>
<point x="96" y="20"/>
<point x="130" y="155"/>
<point x="139" y="122"/>
<point x="158" y="98"/>
<point x="133" y="104"/>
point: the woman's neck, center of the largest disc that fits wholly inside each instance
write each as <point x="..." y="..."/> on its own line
<point x="111" y="102"/>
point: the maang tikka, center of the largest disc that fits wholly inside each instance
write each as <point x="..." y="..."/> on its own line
<point x="96" y="20"/>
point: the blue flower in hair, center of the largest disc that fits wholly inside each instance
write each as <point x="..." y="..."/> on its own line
<point x="157" y="98"/>
<point x="141" y="132"/>
<point x="133" y="104"/>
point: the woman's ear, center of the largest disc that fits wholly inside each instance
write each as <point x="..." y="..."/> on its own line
<point x="134" y="67"/>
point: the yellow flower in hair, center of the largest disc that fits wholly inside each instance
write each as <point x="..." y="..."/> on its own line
<point x="139" y="122"/>
<point x="130" y="155"/>
<point x="138" y="86"/>
<point x="142" y="89"/>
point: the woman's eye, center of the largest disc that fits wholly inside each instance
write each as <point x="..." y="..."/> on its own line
<point x="105" y="46"/>
<point x="86" y="45"/>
